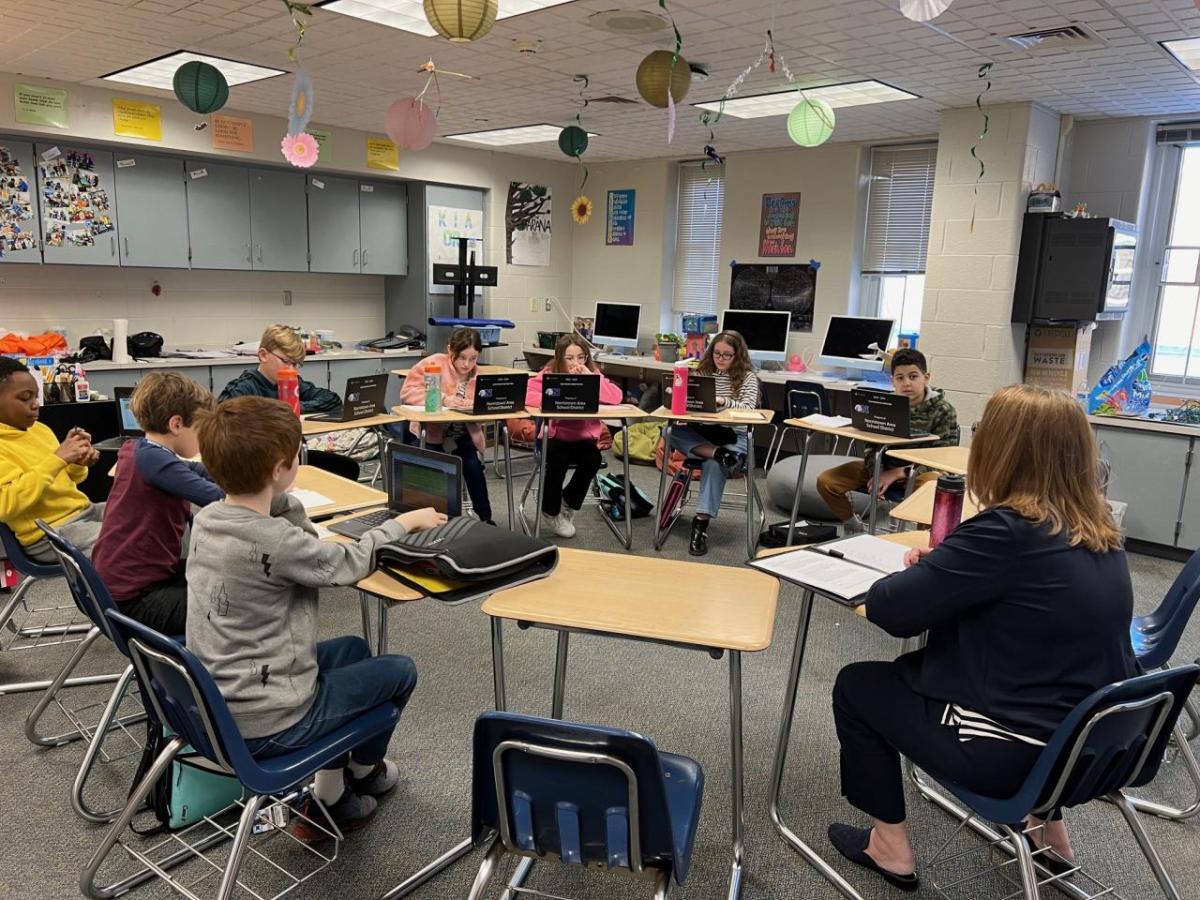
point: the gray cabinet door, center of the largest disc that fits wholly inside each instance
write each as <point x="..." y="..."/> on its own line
<point x="79" y="217"/>
<point x="278" y="224"/>
<point x="20" y="215"/>
<point x="218" y="204"/>
<point x="383" y="221"/>
<point x="152" y="204"/>
<point x="342" y="369"/>
<point x="333" y="236"/>
<point x="1148" y="474"/>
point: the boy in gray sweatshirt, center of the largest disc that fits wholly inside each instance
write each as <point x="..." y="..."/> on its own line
<point x="254" y="569"/>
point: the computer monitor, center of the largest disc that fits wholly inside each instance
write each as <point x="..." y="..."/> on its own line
<point x="617" y="325"/>
<point x="765" y="331"/>
<point x="849" y="340"/>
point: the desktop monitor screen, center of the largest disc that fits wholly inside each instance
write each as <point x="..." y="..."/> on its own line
<point x="765" y="331"/>
<point x="617" y="324"/>
<point x="849" y="338"/>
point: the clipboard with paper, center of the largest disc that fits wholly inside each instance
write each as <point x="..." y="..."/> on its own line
<point x="843" y="570"/>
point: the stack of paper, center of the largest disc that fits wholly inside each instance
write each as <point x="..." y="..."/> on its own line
<point x="311" y="499"/>
<point x="827" y="421"/>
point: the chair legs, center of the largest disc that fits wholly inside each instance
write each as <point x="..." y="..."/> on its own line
<point x="238" y="850"/>
<point x="51" y="693"/>
<point x="1029" y="878"/>
<point x="1143" y="840"/>
<point x="93" y="751"/>
<point x="662" y="884"/>
<point x="1193" y="769"/>
<point x="487" y="869"/>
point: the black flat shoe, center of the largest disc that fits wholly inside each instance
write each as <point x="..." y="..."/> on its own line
<point x="728" y="460"/>
<point x="698" y="545"/>
<point x="1048" y="859"/>
<point x="852" y="843"/>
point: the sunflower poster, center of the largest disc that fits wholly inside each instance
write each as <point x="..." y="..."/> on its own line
<point x="527" y="224"/>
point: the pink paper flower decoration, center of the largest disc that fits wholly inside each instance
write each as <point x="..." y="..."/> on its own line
<point x="300" y="150"/>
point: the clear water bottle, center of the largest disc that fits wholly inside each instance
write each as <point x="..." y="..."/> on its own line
<point x="433" y="388"/>
<point x="947" y="507"/>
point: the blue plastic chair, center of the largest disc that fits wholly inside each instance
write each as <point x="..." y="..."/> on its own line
<point x="183" y="696"/>
<point x="801" y="398"/>
<point x="582" y="794"/>
<point x="1113" y="740"/>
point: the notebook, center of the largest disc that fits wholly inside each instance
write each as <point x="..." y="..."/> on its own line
<point x="843" y="570"/>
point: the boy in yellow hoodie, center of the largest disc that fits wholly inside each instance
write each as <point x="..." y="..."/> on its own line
<point x="38" y="475"/>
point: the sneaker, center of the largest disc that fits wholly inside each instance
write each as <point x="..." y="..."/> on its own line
<point x="558" y="525"/>
<point x="567" y="514"/>
<point x="853" y="525"/>
<point x="377" y="782"/>
<point x="351" y="813"/>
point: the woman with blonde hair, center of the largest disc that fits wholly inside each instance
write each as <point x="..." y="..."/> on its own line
<point x="1027" y="606"/>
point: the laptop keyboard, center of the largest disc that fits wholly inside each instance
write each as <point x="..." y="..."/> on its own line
<point x="370" y="520"/>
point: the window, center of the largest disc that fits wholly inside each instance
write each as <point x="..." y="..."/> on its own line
<point x="698" y="238"/>
<point x="1177" y="325"/>
<point x="899" y="201"/>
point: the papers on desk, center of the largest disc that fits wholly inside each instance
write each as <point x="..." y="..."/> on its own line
<point x="827" y="421"/>
<point x="842" y="570"/>
<point x="311" y="499"/>
<point x="413" y="407"/>
<point x="747" y="415"/>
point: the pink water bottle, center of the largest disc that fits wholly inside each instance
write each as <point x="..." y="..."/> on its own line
<point x="679" y="389"/>
<point x="947" y="507"/>
<point x="287" y="382"/>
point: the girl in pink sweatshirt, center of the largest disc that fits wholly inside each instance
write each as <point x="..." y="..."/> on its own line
<point x="572" y="441"/>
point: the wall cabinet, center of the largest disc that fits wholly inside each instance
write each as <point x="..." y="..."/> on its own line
<point x="79" y="216"/>
<point x="218" y="215"/>
<point x="277" y="221"/>
<point x="383" y="228"/>
<point x="152" y="205"/>
<point x="357" y="227"/>
<point x="20" y="213"/>
<point x="1148" y="473"/>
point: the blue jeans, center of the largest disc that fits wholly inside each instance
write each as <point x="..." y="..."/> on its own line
<point x="350" y="681"/>
<point x="712" y="477"/>
<point x="473" y="475"/>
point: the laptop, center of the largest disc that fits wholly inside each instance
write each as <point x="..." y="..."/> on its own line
<point x="495" y="394"/>
<point x="364" y="398"/>
<point x="415" y="479"/>
<point x="701" y="392"/>
<point x="570" y="393"/>
<point x="127" y="423"/>
<point x="882" y="412"/>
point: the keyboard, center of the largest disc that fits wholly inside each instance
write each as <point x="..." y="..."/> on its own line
<point x="360" y="525"/>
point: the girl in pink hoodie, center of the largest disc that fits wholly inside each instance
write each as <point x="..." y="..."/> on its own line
<point x="572" y="441"/>
<point x="458" y="365"/>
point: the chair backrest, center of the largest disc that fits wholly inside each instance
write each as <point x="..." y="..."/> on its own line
<point x="1114" y="739"/>
<point x="805" y="398"/>
<point x="1156" y="636"/>
<point x="586" y="794"/>
<point x="87" y="589"/>
<point x="20" y="559"/>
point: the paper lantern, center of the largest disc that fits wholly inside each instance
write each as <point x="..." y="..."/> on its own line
<point x="410" y="124"/>
<point x="811" y="123"/>
<point x="924" y="10"/>
<point x="461" y="20"/>
<point x="654" y="74"/>
<point x="572" y="140"/>
<point x="201" y="87"/>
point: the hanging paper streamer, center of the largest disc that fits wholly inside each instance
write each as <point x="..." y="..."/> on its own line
<point x="300" y="13"/>
<point x="923" y="10"/>
<point x="675" y="60"/>
<point x="984" y="71"/>
<point x="300" y="109"/>
<point x="573" y="140"/>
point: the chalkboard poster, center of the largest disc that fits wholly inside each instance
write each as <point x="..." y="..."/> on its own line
<point x="777" y="230"/>
<point x="790" y="287"/>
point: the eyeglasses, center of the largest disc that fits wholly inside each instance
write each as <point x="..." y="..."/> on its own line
<point x="720" y="354"/>
<point x="286" y="361"/>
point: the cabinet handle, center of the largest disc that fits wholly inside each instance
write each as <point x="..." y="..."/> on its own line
<point x="355" y="257"/>
<point x="260" y="259"/>
<point x="364" y="259"/>
<point x="248" y="253"/>
<point x="126" y="248"/>
<point x="112" y="245"/>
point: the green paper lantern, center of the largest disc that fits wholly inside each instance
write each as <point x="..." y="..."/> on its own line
<point x="572" y="140"/>
<point x="654" y="73"/>
<point x="811" y="123"/>
<point x="201" y="87"/>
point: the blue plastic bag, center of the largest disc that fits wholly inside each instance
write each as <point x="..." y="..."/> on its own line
<point x="1124" y="390"/>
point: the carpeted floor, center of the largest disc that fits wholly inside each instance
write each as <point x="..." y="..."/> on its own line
<point x="678" y="697"/>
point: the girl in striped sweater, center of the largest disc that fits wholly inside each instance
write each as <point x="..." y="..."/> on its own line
<point x="722" y="448"/>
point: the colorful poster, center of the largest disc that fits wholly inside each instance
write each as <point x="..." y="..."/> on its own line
<point x="446" y="225"/>
<point x="780" y="218"/>
<point x="232" y="133"/>
<point x="35" y="105"/>
<point x="133" y="118"/>
<point x="619" y="231"/>
<point x="324" y="145"/>
<point x="527" y="224"/>
<point x="16" y="204"/>
<point x="382" y="154"/>
<point x="75" y="205"/>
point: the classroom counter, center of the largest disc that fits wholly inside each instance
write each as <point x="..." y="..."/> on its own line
<point x="1151" y="425"/>
<point x="172" y="362"/>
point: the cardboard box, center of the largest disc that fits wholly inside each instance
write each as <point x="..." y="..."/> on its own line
<point x="1057" y="356"/>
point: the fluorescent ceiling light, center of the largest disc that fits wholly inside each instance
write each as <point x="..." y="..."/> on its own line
<point x="780" y="103"/>
<point x="409" y="15"/>
<point x="160" y="73"/>
<point x="1186" y="51"/>
<point x="504" y="137"/>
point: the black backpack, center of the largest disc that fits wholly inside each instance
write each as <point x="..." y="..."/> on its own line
<point x="612" y="498"/>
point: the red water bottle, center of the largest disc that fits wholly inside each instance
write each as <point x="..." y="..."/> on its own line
<point x="288" y="383"/>
<point x="947" y="507"/>
<point x="679" y="389"/>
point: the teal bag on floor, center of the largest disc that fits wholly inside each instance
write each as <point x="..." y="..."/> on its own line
<point x="188" y="791"/>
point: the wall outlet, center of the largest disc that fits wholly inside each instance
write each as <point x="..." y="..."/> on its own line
<point x="533" y="304"/>
<point x="287" y="298"/>
<point x="549" y="308"/>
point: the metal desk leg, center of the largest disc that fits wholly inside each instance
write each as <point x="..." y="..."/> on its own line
<point x="508" y="482"/>
<point x="736" y="787"/>
<point x="560" y="675"/>
<point x="659" y="532"/>
<point x="498" y="662"/>
<point x="381" y="642"/>
<point x="628" y="484"/>
<point x="751" y="515"/>
<point x="364" y="603"/>
<point x="799" y="489"/>
<point x="537" y="510"/>
<point x="878" y="468"/>
<point x="781" y="749"/>
<point x="414" y="881"/>
<point x="422" y="436"/>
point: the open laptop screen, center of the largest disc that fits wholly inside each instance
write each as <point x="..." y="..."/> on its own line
<point x="423" y="478"/>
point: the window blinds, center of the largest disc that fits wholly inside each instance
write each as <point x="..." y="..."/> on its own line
<point x="698" y="238"/>
<point x="899" y="201"/>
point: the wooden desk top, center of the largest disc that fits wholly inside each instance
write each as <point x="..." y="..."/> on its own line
<point x="378" y="583"/>
<point x="918" y="506"/>
<point x="724" y="417"/>
<point x="657" y="599"/>
<point x="867" y="437"/>
<point x="944" y="459"/>
<point x="448" y="416"/>
<point x="312" y="428"/>
<point x="617" y="411"/>
<point x="479" y="370"/>
<point x="347" y="495"/>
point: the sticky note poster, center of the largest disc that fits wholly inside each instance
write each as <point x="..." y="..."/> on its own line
<point x="382" y="154"/>
<point x="16" y="203"/>
<point x="133" y="118"/>
<point x="75" y="203"/>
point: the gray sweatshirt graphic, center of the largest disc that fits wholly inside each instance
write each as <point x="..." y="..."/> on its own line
<point x="252" y="605"/>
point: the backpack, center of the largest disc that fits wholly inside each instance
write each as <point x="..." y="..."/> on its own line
<point x="643" y="437"/>
<point x="612" y="498"/>
<point x="188" y="791"/>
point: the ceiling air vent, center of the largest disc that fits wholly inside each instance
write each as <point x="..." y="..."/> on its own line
<point x="1049" y="40"/>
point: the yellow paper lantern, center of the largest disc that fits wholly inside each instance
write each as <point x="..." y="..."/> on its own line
<point x="655" y="73"/>
<point x="461" y="20"/>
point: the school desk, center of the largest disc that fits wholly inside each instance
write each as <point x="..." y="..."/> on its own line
<point x="479" y="370"/>
<point x="375" y="425"/>
<point x="345" y="495"/>
<point x="918" y="506"/>
<point x="941" y="459"/>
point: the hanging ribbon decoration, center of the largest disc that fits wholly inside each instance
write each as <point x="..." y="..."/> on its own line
<point x="430" y="68"/>
<point x="583" y="82"/>
<point x="297" y="11"/>
<point x="983" y="73"/>
<point x="671" y="74"/>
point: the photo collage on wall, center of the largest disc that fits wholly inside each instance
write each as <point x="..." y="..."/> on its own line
<point x="16" y="205"/>
<point x="75" y="206"/>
